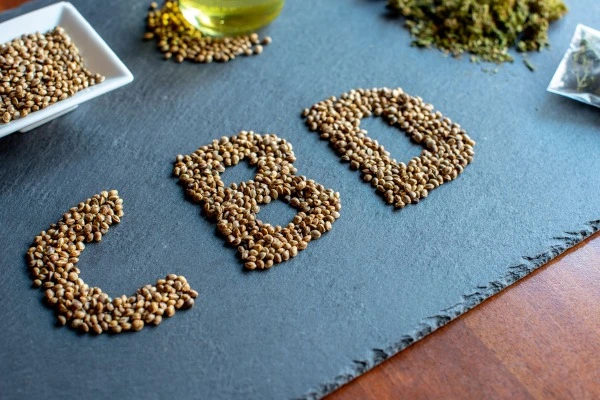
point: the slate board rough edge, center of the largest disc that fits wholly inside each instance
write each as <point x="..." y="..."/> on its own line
<point x="469" y="301"/>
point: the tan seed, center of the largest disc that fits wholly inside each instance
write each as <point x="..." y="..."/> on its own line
<point x="137" y="325"/>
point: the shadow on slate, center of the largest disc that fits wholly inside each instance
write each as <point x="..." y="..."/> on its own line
<point x="379" y="281"/>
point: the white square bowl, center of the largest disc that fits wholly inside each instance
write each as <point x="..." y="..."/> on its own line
<point x="97" y="56"/>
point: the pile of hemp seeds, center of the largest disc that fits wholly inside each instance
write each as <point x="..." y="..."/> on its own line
<point x="178" y="39"/>
<point x="52" y="261"/>
<point x="447" y="147"/>
<point x="235" y="208"/>
<point x="38" y="70"/>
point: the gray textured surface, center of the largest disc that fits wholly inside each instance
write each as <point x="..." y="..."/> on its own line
<point x="378" y="281"/>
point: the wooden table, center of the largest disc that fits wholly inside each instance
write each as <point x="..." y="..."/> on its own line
<point x="538" y="339"/>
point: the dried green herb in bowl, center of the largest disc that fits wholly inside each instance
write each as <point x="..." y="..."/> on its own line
<point x="484" y="28"/>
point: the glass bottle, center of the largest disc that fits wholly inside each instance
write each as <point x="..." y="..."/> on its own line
<point x="230" y="17"/>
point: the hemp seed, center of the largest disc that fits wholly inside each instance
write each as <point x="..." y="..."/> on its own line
<point x="178" y="39"/>
<point x="234" y="208"/>
<point x="38" y="70"/>
<point x="447" y="147"/>
<point x="52" y="261"/>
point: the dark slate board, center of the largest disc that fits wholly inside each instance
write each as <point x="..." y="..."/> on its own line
<point x="377" y="282"/>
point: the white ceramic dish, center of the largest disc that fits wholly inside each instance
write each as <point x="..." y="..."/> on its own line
<point x="97" y="56"/>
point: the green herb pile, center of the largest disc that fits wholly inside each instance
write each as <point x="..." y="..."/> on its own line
<point x="484" y="28"/>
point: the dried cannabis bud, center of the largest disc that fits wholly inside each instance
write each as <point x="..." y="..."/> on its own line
<point x="582" y="65"/>
<point x="578" y="75"/>
<point x="484" y="28"/>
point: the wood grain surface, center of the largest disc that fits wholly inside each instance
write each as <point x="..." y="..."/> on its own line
<point x="539" y="339"/>
<point x="6" y="4"/>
